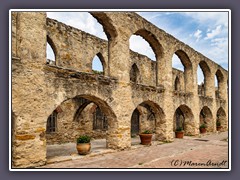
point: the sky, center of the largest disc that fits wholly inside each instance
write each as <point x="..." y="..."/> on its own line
<point x="206" y="32"/>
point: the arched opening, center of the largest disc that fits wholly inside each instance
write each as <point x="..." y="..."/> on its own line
<point x="51" y="52"/>
<point x="140" y="45"/>
<point x="219" y="84"/>
<point x="177" y="86"/>
<point x="146" y="43"/>
<point x="134" y="74"/>
<point x="81" y="115"/>
<point x="147" y="116"/>
<point x="183" y="117"/>
<point x="205" y="117"/>
<point x="135" y="127"/>
<point x="222" y="118"/>
<point x="203" y="76"/>
<point x="182" y="63"/>
<point x="98" y="64"/>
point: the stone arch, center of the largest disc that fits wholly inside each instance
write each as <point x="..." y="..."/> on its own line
<point x="134" y="74"/>
<point x="151" y="117"/>
<point x="222" y="118"/>
<point x="177" y="84"/>
<point x="154" y="44"/>
<point x="187" y="119"/>
<point x="106" y="22"/>
<point x="187" y="69"/>
<point x="206" y="117"/>
<point x="105" y="108"/>
<point x="102" y="60"/>
<point x="207" y="78"/>
<point x="54" y="49"/>
<point x="220" y="84"/>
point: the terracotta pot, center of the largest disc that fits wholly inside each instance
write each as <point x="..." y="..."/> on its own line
<point x="203" y="130"/>
<point x="83" y="148"/>
<point x="219" y="128"/>
<point x="146" y="139"/>
<point x="179" y="134"/>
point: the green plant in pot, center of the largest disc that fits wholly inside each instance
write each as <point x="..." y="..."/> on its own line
<point x="179" y="132"/>
<point x="203" y="128"/>
<point x="83" y="144"/>
<point x="218" y="124"/>
<point x="146" y="137"/>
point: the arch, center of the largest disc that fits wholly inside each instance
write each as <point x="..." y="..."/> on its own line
<point x="152" y="40"/>
<point x="102" y="61"/>
<point x="206" y="86"/>
<point x="134" y="74"/>
<point x="106" y="22"/>
<point x="187" y="69"/>
<point x="135" y="124"/>
<point x="222" y="118"/>
<point x="220" y="84"/>
<point x="54" y="50"/>
<point x="154" y="44"/>
<point x="151" y="117"/>
<point x="206" y="117"/>
<point x="184" y="117"/>
<point x="82" y="104"/>
<point x="177" y="84"/>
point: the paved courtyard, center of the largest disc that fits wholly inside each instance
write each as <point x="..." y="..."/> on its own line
<point x="205" y="151"/>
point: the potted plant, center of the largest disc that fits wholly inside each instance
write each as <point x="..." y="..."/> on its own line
<point x="146" y="137"/>
<point x="203" y="128"/>
<point x="83" y="144"/>
<point x="218" y="123"/>
<point x="179" y="132"/>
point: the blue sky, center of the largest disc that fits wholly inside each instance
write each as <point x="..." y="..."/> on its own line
<point x="206" y="32"/>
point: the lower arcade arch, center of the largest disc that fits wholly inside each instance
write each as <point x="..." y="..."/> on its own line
<point x="206" y="117"/>
<point x="147" y="116"/>
<point x="81" y="115"/>
<point x="222" y="118"/>
<point x="183" y="118"/>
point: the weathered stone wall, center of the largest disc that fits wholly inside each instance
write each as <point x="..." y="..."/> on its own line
<point x="39" y="88"/>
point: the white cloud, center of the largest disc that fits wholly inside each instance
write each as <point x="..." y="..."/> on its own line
<point x="198" y="34"/>
<point x="81" y="20"/>
<point x="214" y="32"/>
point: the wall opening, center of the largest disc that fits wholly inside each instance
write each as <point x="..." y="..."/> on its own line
<point x="148" y="116"/>
<point x="181" y="62"/>
<point x="98" y="65"/>
<point x="222" y="118"/>
<point x="81" y="115"/>
<point x="51" y="52"/>
<point x="140" y="45"/>
<point x="219" y="83"/>
<point x="134" y="74"/>
<point x="206" y="118"/>
<point x="177" y="86"/>
<point x="183" y="117"/>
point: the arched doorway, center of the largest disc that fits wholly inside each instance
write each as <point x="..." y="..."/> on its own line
<point x="183" y="117"/>
<point x="222" y="118"/>
<point x="135" y="123"/>
<point x="148" y="115"/>
<point x="205" y="117"/>
<point x="81" y="115"/>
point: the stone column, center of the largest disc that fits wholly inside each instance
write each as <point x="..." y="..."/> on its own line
<point x="165" y="132"/>
<point x="119" y="137"/>
<point x="28" y="100"/>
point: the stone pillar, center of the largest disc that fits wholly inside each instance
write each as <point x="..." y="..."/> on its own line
<point x="119" y="137"/>
<point x="165" y="131"/>
<point x="28" y="100"/>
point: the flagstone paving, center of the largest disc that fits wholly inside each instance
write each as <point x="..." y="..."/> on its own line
<point x="205" y="151"/>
